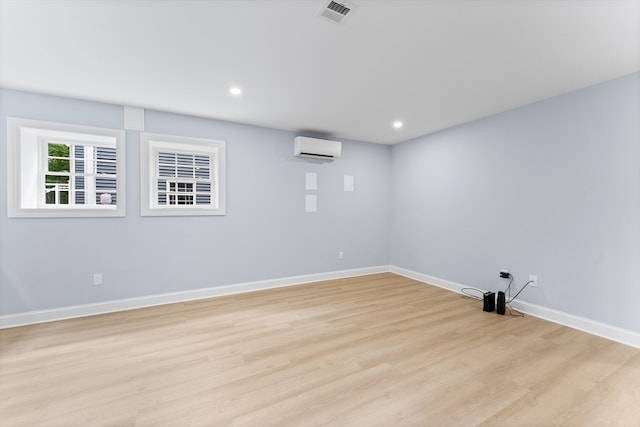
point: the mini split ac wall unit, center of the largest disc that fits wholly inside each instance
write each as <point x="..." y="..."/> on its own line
<point x="316" y="148"/>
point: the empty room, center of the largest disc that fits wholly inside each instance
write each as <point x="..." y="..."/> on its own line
<point x="319" y="213"/>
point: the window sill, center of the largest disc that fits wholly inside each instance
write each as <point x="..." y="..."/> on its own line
<point x="50" y="212"/>
<point x="177" y="211"/>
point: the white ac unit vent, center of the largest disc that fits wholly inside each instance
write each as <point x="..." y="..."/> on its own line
<point x="316" y="148"/>
<point x="334" y="11"/>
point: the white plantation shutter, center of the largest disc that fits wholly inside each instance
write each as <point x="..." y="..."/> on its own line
<point x="184" y="179"/>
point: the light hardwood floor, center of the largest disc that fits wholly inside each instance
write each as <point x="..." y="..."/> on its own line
<point x="379" y="350"/>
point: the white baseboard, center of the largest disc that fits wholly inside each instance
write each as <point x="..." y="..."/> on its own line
<point x="425" y="278"/>
<point x="41" y="316"/>
<point x="614" y="333"/>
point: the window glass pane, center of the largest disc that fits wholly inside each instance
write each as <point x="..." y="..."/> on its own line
<point x="203" y="199"/>
<point x="107" y="168"/>
<point x="79" y="197"/>
<point x="58" y="150"/>
<point x="58" y="158"/>
<point x="203" y="187"/>
<point x="167" y="158"/>
<point x="105" y="185"/>
<point x="79" y="183"/>
<point x="56" y="190"/>
<point x="106" y="199"/>
<point x="50" y="195"/>
<point x="185" y="159"/>
<point x="201" y="160"/>
<point x="202" y="172"/>
<point x="78" y="151"/>
<point x="57" y="179"/>
<point x="184" y="199"/>
<point x="185" y="171"/>
<point x="167" y="170"/>
<point x="100" y="198"/>
<point x="59" y="165"/>
<point x="185" y="187"/>
<point x="105" y="153"/>
<point x="57" y="194"/>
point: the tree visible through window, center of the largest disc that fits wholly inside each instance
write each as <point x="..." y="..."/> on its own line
<point x="57" y="177"/>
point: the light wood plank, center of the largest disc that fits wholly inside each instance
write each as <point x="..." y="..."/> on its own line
<point x="375" y="350"/>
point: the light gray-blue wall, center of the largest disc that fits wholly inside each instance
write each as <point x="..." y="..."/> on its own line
<point x="49" y="263"/>
<point x="550" y="189"/>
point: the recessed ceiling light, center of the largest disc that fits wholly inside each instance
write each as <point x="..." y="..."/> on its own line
<point x="397" y="124"/>
<point x="235" y="91"/>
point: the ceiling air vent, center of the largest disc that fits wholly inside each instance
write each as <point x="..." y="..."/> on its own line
<point x="334" y="11"/>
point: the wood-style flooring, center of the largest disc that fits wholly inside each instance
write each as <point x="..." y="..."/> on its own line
<point x="378" y="350"/>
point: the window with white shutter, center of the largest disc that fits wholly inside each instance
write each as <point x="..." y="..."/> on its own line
<point x="64" y="170"/>
<point x="181" y="176"/>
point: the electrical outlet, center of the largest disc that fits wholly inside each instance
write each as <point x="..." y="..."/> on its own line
<point x="534" y="281"/>
<point x="97" y="279"/>
<point x="340" y="255"/>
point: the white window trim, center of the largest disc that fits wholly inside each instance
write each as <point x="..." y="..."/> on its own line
<point x="16" y="178"/>
<point x="150" y="144"/>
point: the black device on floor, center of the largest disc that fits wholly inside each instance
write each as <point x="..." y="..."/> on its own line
<point x="501" y="305"/>
<point x="489" y="301"/>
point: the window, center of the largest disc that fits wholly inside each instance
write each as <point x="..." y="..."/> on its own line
<point x="62" y="170"/>
<point x="181" y="176"/>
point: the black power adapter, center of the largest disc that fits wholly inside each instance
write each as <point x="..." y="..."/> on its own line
<point x="501" y="306"/>
<point x="489" y="301"/>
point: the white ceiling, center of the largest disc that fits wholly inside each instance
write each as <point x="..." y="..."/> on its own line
<point x="432" y="64"/>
